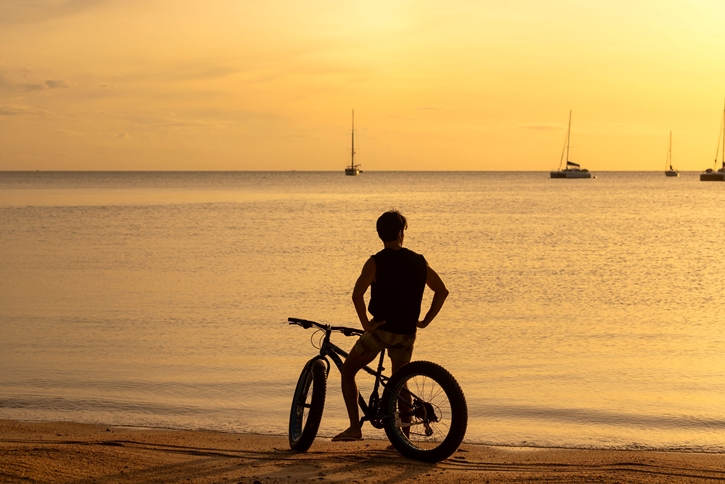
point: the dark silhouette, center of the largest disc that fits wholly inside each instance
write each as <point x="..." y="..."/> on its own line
<point x="397" y="277"/>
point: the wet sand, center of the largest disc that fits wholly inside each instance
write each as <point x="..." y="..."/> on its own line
<point x="80" y="453"/>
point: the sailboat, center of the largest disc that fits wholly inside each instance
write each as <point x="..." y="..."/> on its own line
<point x="572" y="170"/>
<point x="669" y="171"/>
<point x="719" y="175"/>
<point x="353" y="169"/>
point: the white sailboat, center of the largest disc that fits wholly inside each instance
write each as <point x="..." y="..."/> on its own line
<point x="572" y="170"/>
<point x="710" y="174"/>
<point x="353" y="169"/>
<point x="669" y="171"/>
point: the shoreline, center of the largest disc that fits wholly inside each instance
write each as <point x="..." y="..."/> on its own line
<point x="72" y="452"/>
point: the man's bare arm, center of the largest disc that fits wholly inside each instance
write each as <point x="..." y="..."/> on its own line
<point x="367" y="276"/>
<point x="440" y="293"/>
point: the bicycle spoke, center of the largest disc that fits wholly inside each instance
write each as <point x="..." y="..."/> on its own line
<point x="426" y="430"/>
<point x="440" y="389"/>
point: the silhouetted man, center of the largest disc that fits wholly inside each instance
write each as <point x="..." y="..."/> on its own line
<point x="397" y="277"/>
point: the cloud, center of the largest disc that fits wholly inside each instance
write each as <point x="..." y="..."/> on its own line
<point x="69" y="132"/>
<point x="32" y="87"/>
<point x="173" y="123"/>
<point x="201" y="71"/>
<point x="54" y="84"/>
<point x="6" y="111"/>
<point x="23" y="11"/>
<point x="5" y="82"/>
<point x="21" y="111"/>
<point x="542" y="127"/>
<point x="122" y="135"/>
<point x="8" y="83"/>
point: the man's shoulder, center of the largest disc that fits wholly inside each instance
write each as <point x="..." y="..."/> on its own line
<point x="402" y="252"/>
<point x="413" y="254"/>
<point x="395" y="258"/>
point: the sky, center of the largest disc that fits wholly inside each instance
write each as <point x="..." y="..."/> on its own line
<point x="435" y="85"/>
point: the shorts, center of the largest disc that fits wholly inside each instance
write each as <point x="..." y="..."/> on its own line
<point x="399" y="346"/>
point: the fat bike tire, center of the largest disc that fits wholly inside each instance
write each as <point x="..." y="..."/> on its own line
<point x="307" y="405"/>
<point x="436" y="421"/>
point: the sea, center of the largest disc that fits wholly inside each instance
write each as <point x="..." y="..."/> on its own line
<point x="582" y="313"/>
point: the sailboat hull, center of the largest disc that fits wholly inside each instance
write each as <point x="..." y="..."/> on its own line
<point x="710" y="174"/>
<point x="713" y="176"/>
<point x="352" y="171"/>
<point x="570" y="174"/>
<point x="672" y="173"/>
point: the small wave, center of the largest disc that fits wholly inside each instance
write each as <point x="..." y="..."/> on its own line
<point x="599" y="417"/>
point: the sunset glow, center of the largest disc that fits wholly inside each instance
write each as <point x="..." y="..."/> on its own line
<point x="241" y="85"/>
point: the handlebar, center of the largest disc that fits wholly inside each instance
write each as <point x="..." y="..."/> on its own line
<point x="342" y="329"/>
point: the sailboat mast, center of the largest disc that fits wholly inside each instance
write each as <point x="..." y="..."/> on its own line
<point x="352" y="155"/>
<point x="568" y="134"/>
<point x="669" y="156"/>
<point x="720" y="137"/>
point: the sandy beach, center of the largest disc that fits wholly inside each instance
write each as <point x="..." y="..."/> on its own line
<point x="70" y="452"/>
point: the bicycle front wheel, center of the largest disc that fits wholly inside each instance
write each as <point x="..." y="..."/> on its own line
<point x="307" y="405"/>
<point x="425" y="412"/>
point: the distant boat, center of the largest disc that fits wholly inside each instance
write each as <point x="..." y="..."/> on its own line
<point x="353" y="169"/>
<point x="669" y="171"/>
<point x="572" y="170"/>
<point x="719" y="175"/>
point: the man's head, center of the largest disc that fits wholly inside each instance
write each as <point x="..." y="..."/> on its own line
<point x="391" y="225"/>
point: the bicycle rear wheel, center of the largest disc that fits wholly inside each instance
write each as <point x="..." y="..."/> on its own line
<point x="307" y="405"/>
<point x="426" y="415"/>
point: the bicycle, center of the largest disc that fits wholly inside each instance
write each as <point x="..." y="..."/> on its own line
<point x="422" y="409"/>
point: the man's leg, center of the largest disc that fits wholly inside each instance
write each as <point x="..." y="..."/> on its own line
<point x="354" y="362"/>
<point x="396" y="364"/>
<point x="405" y="400"/>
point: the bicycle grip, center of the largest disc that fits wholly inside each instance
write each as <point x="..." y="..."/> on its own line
<point x="302" y="322"/>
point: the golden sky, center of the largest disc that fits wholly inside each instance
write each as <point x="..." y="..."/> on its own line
<point x="436" y="85"/>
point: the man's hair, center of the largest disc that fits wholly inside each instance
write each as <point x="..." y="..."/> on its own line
<point x="390" y="224"/>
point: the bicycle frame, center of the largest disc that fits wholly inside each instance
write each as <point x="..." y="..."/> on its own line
<point x="371" y="409"/>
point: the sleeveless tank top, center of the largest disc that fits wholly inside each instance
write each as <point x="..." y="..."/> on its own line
<point x="397" y="293"/>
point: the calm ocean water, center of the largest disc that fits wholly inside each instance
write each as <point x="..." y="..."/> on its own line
<point x="583" y="313"/>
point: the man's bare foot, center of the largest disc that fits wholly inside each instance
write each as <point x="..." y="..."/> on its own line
<point x="348" y="435"/>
